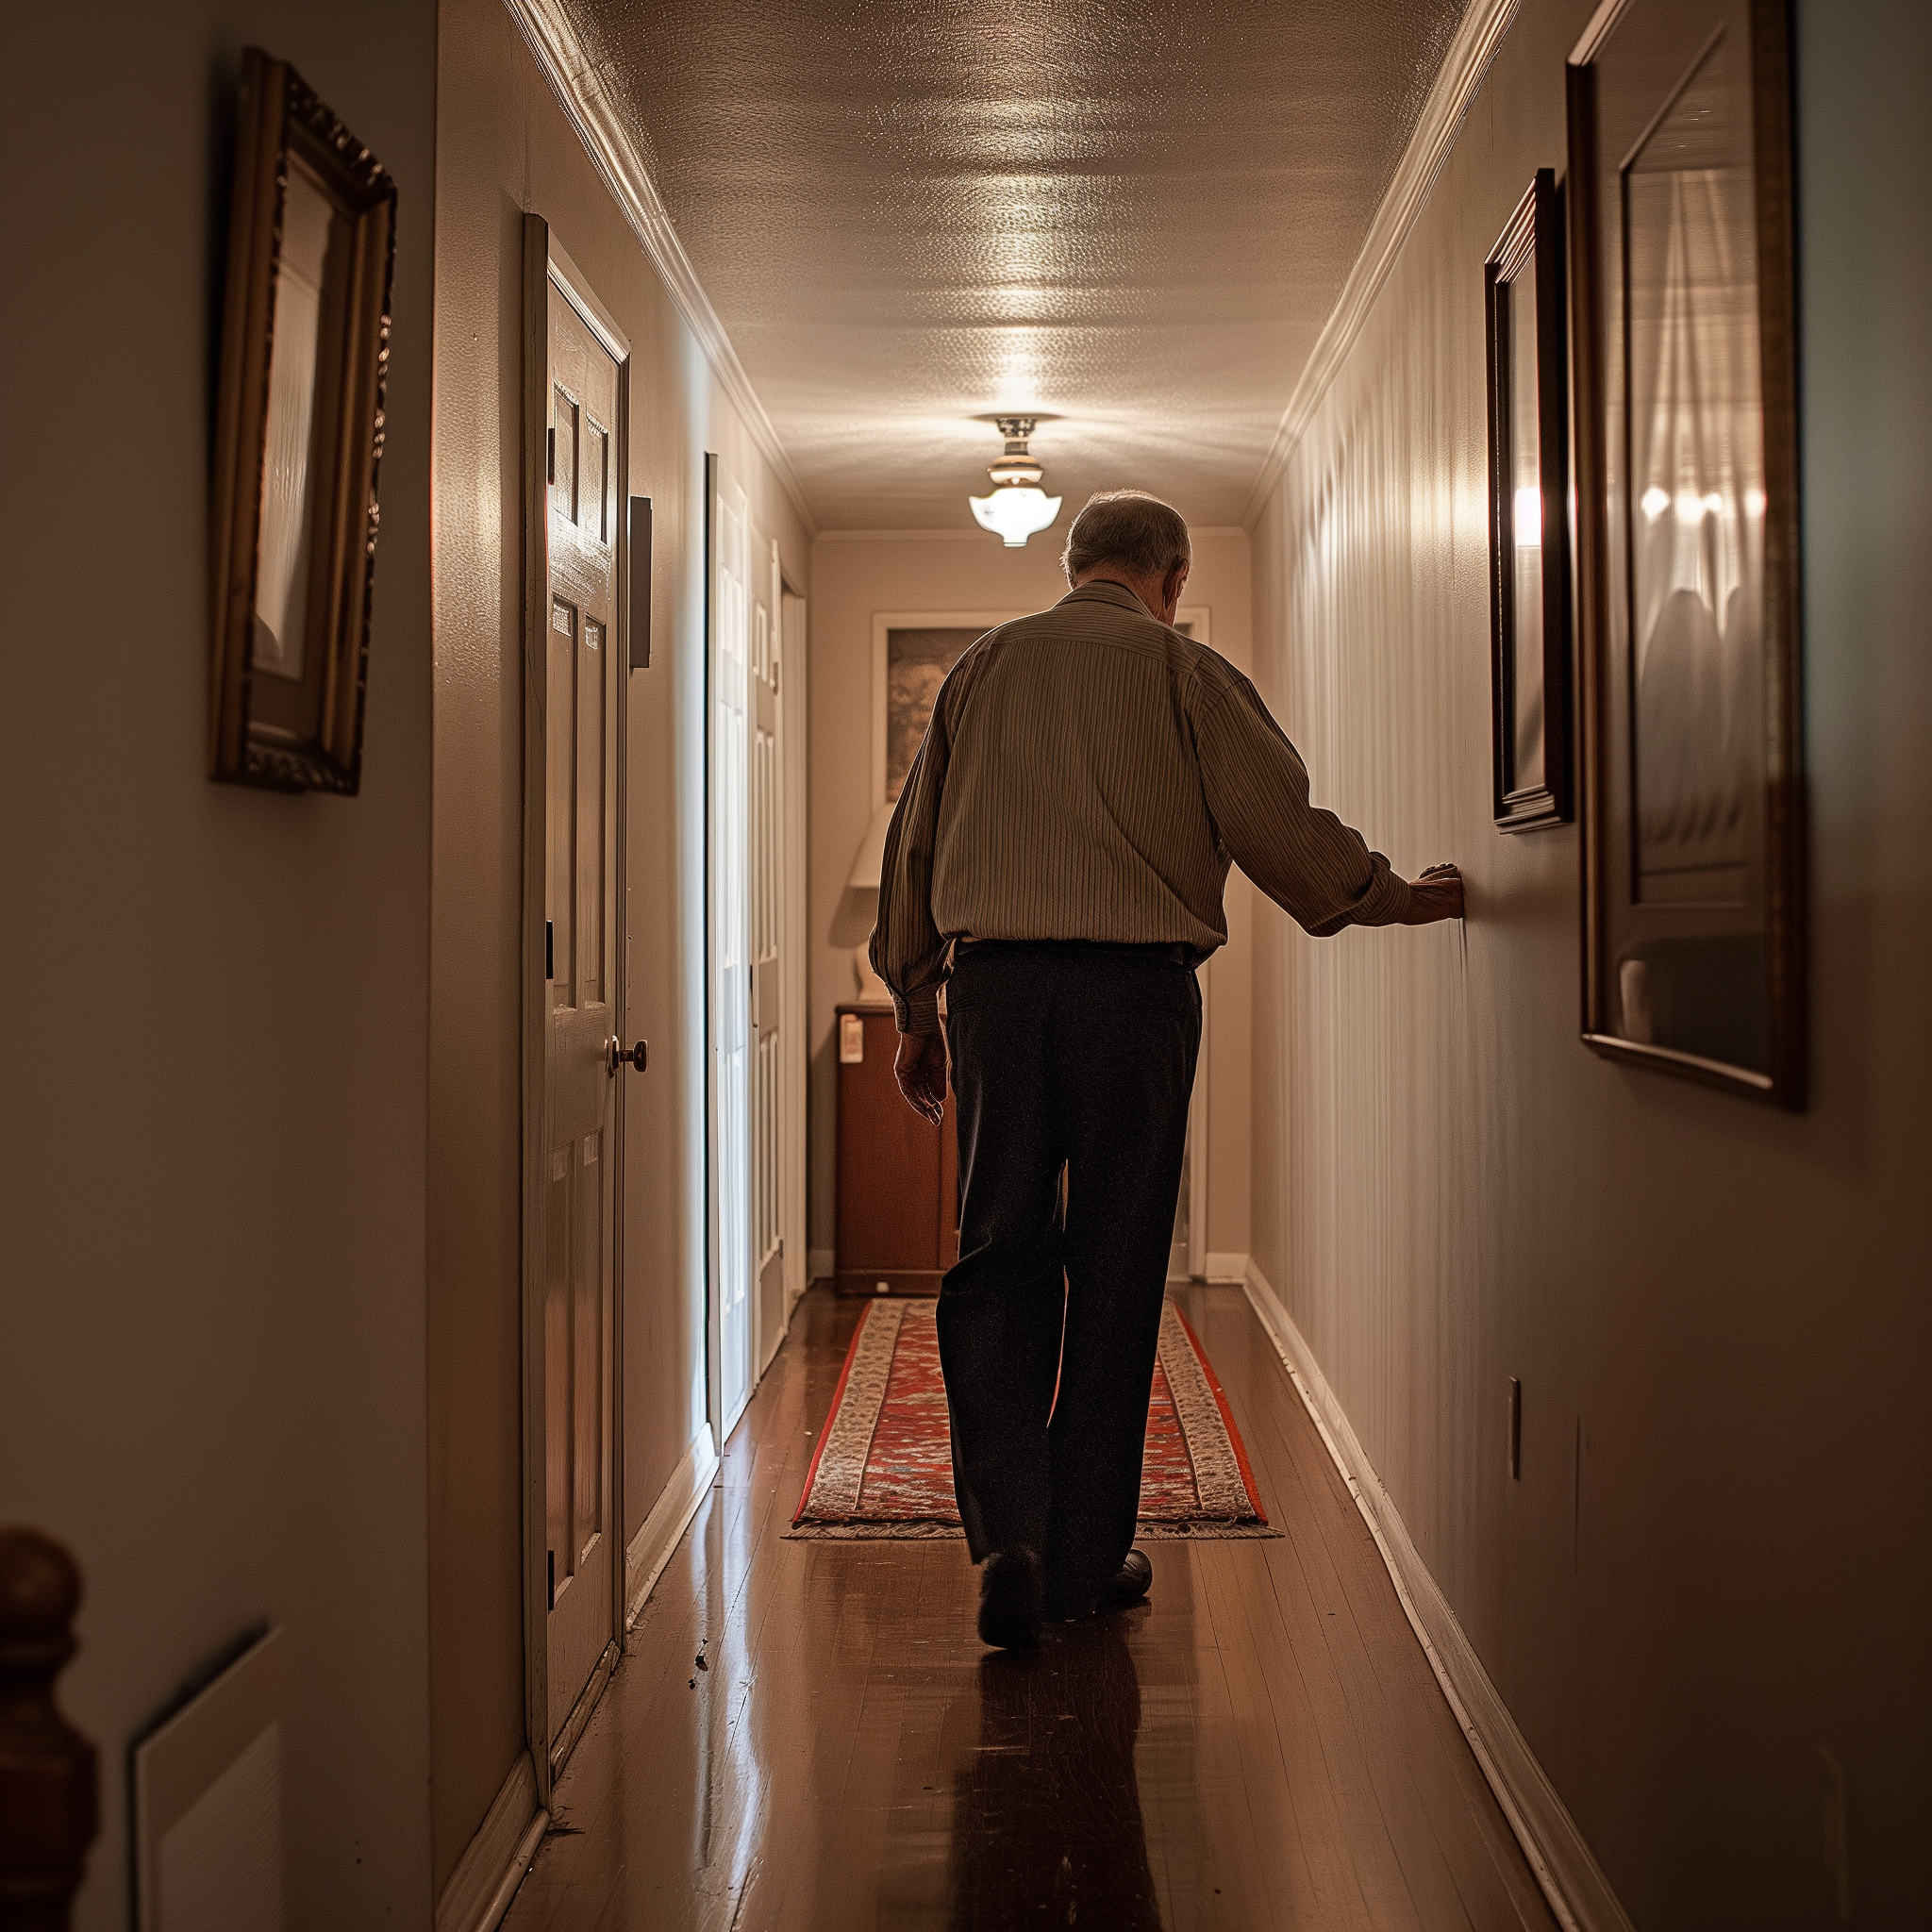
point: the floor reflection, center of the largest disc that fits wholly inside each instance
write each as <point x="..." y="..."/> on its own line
<point x="1047" y="1821"/>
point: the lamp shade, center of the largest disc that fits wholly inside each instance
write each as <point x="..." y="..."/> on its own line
<point x="871" y="850"/>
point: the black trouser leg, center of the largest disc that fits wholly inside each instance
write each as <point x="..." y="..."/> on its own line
<point x="1002" y="1305"/>
<point x="1123" y="1182"/>
<point x="1086" y="1058"/>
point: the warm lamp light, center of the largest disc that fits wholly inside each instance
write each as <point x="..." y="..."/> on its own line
<point x="871" y="850"/>
<point x="1017" y="507"/>
<point x="861" y="902"/>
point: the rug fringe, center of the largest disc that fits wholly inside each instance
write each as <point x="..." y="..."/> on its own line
<point x="914" y="1532"/>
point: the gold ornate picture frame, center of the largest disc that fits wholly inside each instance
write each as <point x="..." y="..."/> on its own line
<point x="298" y="439"/>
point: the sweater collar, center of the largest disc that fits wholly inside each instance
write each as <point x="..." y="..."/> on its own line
<point x="1100" y="590"/>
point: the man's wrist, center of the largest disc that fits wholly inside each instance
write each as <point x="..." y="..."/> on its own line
<point x="918" y="1011"/>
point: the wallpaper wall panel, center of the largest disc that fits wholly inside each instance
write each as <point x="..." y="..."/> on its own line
<point x="1719" y="1314"/>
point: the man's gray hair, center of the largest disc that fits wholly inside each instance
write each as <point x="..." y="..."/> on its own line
<point x="1127" y="527"/>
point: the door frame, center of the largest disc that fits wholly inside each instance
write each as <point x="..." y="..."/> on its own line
<point x="544" y="262"/>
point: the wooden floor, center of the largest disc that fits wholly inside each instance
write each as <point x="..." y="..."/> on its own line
<point x="1262" y="1744"/>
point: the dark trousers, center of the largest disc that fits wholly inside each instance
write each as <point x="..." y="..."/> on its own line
<point x="1082" y="1057"/>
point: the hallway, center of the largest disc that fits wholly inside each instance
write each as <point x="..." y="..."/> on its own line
<point x="572" y="444"/>
<point x="1262" y="1746"/>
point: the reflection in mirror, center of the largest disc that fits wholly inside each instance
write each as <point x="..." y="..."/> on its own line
<point x="1517" y="299"/>
<point x="1695" y="505"/>
<point x="281" y="596"/>
<point x="1529" y="635"/>
<point x="1697" y="481"/>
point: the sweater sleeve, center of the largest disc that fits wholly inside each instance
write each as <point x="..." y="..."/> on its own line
<point x="1315" y="867"/>
<point x="908" y="951"/>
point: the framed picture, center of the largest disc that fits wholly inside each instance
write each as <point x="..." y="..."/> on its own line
<point x="298" y="439"/>
<point x="1683" y="304"/>
<point x="911" y="653"/>
<point x="1529" y="513"/>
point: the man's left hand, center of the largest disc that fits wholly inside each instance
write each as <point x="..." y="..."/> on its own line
<point x="1437" y="894"/>
<point x="921" y="1072"/>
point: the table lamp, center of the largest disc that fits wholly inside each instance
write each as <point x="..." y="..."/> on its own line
<point x="860" y="902"/>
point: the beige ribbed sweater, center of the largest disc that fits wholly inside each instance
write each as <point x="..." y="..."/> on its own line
<point x="1090" y="774"/>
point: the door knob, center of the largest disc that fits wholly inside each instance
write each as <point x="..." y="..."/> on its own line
<point x="637" y="1056"/>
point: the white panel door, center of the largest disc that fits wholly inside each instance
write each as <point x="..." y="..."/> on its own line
<point x="734" y="1055"/>
<point x="579" y="1195"/>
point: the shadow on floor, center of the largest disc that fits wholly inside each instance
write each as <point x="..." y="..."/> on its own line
<point x="1046" y="1822"/>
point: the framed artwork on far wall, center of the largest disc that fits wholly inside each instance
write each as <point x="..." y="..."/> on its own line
<point x="1529" y="513"/>
<point x="298" y="439"/>
<point x="1691" y="706"/>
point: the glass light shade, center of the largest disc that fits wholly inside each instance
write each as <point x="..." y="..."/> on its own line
<point x="1014" y="514"/>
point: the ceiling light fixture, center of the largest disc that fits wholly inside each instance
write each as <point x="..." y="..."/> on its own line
<point x="1017" y="507"/>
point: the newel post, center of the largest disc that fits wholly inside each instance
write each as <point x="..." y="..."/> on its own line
<point x="48" y="1797"/>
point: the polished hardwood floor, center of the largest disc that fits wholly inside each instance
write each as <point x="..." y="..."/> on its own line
<point x="1262" y="1744"/>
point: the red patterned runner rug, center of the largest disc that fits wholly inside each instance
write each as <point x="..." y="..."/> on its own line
<point x="884" y="1466"/>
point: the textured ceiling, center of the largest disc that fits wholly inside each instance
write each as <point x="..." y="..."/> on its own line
<point x="1133" y="218"/>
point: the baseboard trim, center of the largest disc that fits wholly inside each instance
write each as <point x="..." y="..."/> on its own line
<point x="821" y="1264"/>
<point x="1571" y="1880"/>
<point x="487" y="1876"/>
<point x="664" y="1527"/>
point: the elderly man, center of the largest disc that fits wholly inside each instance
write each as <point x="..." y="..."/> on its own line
<point x="1057" y="863"/>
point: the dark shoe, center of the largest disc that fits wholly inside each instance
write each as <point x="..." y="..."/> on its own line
<point x="1130" y="1583"/>
<point x="1009" y="1594"/>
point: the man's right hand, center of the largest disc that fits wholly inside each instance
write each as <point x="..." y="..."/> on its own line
<point x="1438" y="894"/>
<point x="921" y="1072"/>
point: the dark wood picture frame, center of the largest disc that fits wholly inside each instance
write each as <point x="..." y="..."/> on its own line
<point x="298" y="439"/>
<point x="1684" y="317"/>
<point x="1529" y="538"/>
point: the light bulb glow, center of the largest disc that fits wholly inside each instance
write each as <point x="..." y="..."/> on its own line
<point x="1654" y="503"/>
<point x="1013" y="514"/>
<point x="1529" y="516"/>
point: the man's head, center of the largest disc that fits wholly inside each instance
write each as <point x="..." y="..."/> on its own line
<point x="1128" y="537"/>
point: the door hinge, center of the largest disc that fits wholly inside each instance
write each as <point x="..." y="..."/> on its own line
<point x="549" y="949"/>
<point x="550" y="456"/>
<point x="775" y="678"/>
<point x="550" y="1569"/>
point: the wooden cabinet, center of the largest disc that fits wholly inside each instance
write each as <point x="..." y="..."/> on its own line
<point x="898" y="1174"/>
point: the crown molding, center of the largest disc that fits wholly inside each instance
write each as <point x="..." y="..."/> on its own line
<point x="587" y="99"/>
<point x="975" y="535"/>
<point x="1457" y="81"/>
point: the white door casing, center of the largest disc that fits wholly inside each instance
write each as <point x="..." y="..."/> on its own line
<point x="768" y="959"/>
<point x="733" y="1046"/>
<point x="792" y="762"/>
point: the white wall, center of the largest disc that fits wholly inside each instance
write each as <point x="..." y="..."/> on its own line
<point x="855" y="574"/>
<point x="214" y="1000"/>
<point x="1726" y="1307"/>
